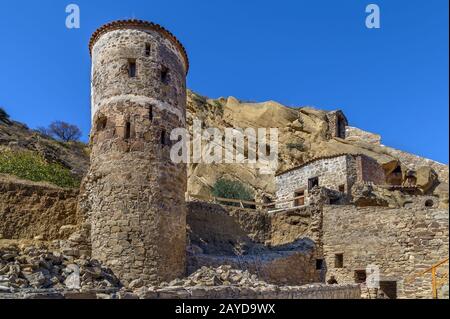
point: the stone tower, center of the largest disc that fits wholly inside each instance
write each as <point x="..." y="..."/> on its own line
<point x="136" y="194"/>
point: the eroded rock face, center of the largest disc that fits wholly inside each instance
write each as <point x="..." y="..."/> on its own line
<point x="304" y="134"/>
<point x="427" y="178"/>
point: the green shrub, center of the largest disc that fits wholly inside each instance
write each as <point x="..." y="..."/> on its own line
<point x="232" y="189"/>
<point x="33" y="167"/>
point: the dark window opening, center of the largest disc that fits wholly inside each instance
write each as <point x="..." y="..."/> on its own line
<point x="267" y="149"/>
<point x="150" y="113"/>
<point x="147" y="49"/>
<point x="127" y="130"/>
<point x="313" y="182"/>
<point x="429" y="203"/>
<point x="299" y="198"/>
<point x="101" y="123"/>
<point x="319" y="264"/>
<point x="397" y="170"/>
<point x="342" y="188"/>
<point x="389" y="289"/>
<point x="164" y="140"/>
<point x="360" y="276"/>
<point x="164" y="75"/>
<point x="339" y="261"/>
<point x="132" y="68"/>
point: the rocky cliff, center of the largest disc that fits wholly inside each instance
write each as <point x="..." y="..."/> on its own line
<point x="304" y="134"/>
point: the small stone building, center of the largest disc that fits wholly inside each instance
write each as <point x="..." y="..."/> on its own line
<point x="337" y="124"/>
<point x="337" y="173"/>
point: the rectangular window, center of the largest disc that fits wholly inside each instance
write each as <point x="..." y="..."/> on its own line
<point x="360" y="276"/>
<point x="342" y="188"/>
<point x="299" y="198"/>
<point x="339" y="261"/>
<point x="313" y="182"/>
<point x="319" y="264"/>
<point x="132" y="68"/>
<point x="148" y="49"/>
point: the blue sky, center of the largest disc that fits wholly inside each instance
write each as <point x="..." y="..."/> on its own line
<point x="393" y="80"/>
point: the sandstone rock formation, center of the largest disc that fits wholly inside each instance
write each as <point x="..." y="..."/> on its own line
<point x="303" y="135"/>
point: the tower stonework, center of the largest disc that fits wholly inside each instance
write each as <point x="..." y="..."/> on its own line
<point x="137" y="204"/>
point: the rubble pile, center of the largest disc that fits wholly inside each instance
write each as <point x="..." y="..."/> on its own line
<point x="220" y="276"/>
<point x="39" y="268"/>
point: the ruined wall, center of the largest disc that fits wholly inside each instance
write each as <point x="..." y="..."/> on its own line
<point x="280" y="248"/>
<point x="135" y="192"/>
<point x="401" y="242"/>
<point x="292" y="292"/>
<point x="216" y="228"/>
<point x="368" y="170"/>
<point x="28" y="210"/>
<point x="296" y="267"/>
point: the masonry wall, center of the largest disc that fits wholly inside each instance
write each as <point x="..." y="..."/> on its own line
<point x="401" y="242"/>
<point x="280" y="248"/>
<point x="292" y="292"/>
<point x="28" y="210"/>
<point x="368" y="170"/>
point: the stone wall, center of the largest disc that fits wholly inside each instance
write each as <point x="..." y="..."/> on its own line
<point x="317" y="291"/>
<point x="29" y="210"/>
<point x="134" y="192"/>
<point x="224" y="229"/>
<point x="281" y="248"/>
<point x="401" y="242"/>
<point x="368" y="170"/>
<point x="275" y="267"/>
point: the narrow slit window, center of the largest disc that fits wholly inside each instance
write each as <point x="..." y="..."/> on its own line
<point x="150" y="113"/>
<point x="164" y="75"/>
<point x="148" y="49"/>
<point x="132" y="68"/>
<point x="163" y="138"/>
<point x="127" y="130"/>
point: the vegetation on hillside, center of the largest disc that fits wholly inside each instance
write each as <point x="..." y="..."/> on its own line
<point x="225" y="188"/>
<point x="31" y="166"/>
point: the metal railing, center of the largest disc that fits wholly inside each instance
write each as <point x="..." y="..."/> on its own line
<point x="436" y="282"/>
